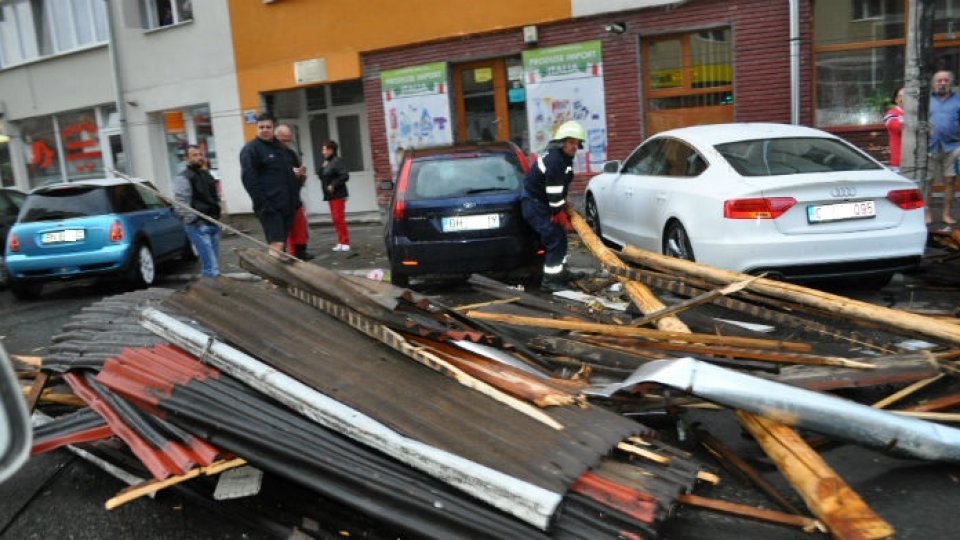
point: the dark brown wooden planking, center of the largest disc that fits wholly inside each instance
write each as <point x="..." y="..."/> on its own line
<point x="410" y="398"/>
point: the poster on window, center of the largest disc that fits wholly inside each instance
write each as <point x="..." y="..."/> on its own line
<point x="416" y="105"/>
<point x="566" y="83"/>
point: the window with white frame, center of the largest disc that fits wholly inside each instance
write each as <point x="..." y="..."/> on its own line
<point x="32" y="29"/>
<point x="160" y="13"/>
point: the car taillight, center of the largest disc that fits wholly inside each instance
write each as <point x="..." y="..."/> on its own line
<point x="399" y="198"/>
<point x="13" y="243"/>
<point x="758" y="208"/>
<point x="116" y="231"/>
<point x="908" y="199"/>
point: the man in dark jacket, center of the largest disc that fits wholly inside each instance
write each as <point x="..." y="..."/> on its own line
<point x="269" y="176"/>
<point x="195" y="187"/>
<point x="544" y="201"/>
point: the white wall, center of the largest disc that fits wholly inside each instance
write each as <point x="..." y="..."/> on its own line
<point x="179" y="67"/>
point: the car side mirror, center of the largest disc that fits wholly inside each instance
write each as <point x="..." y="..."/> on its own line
<point x="14" y="423"/>
<point x="611" y="166"/>
<point x="385" y="185"/>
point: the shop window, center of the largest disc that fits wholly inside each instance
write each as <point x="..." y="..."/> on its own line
<point x="859" y="55"/>
<point x="854" y="87"/>
<point x="160" y="13"/>
<point x="185" y="127"/>
<point x="346" y="93"/>
<point x="80" y="138"/>
<point x="40" y="151"/>
<point x="689" y="79"/>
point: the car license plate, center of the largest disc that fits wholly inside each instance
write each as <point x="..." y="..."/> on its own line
<point x="68" y="235"/>
<point x="471" y="223"/>
<point x="842" y="211"/>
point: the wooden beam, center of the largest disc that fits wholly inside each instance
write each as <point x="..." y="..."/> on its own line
<point x="897" y="396"/>
<point x="752" y="512"/>
<point x="725" y="352"/>
<point x="629" y="331"/>
<point x="698" y="300"/>
<point x="135" y="492"/>
<point x="639" y="294"/>
<point x="842" y="307"/>
<point x="829" y="498"/>
<point x="35" y="390"/>
<point x="734" y="463"/>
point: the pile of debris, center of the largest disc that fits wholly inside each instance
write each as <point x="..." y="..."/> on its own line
<point x="500" y="419"/>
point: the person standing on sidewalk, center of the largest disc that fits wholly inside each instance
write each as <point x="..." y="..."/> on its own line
<point x="893" y="121"/>
<point x="269" y="177"/>
<point x="195" y="187"/>
<point x="333" y="177"/>
<point x="298" y="237"/>
<point x="944" y="145"/>
<point x="544" y="201"/>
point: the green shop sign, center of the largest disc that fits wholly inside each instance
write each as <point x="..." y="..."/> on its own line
<point x="415" y="80"/>
<point x="576" y="59"/>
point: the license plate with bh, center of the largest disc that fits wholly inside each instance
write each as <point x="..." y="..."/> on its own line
<point x="825" y="213"/>
<point x="471" y="223"/>
<point x="68" y="235"/>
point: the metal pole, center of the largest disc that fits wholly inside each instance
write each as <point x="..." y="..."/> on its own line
<point x="794" y="61"/>
<point x="118" y="88"/>
<point x="916" y="93"/>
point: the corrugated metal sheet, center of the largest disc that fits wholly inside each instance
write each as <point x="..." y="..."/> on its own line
<point x="371" y="378"/>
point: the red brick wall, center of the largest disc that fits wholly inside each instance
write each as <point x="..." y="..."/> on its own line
<point x="761" y="64"/>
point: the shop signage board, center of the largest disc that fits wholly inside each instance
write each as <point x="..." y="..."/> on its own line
<point x="416" y="106"/>
<point x="566" y="83"/>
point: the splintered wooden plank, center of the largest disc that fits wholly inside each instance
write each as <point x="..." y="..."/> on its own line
<point x="826" y="495"/>
<point x="630" y="331"/>
<point x="641" y="296"/>
<point x="839" y="306"/>
<point x="752" y="512"/>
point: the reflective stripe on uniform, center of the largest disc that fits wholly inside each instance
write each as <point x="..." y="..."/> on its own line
<point x="542" y="165"/>
<point x="554" y="189"/>
<point x="552" y="270"/>
<point x="557" y="204"/>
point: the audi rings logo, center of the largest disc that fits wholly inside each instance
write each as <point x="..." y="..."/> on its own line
<point x="843" y="191"/>
<point x="469" y="204"/>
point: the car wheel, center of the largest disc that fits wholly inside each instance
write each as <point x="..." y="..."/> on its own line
<point x="676" y="242"/>
<point x="25" y="290"/>
<point x="143" y="267"/>
<point x="593" y="216"/>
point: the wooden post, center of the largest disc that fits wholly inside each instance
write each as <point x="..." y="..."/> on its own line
<point x="641" y="296"/>
<point x="899" y="321"/>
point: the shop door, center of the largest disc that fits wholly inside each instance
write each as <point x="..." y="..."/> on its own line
<point x="480" y="92"/>
<point x="348" y="126"/>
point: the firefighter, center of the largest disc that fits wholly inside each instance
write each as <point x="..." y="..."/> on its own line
<point x="544" y="201"/>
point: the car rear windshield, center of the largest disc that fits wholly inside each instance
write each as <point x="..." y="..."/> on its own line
<point x="775" y="157"/>
<point x="65" y="203"/>
<point x="463" y="175"/>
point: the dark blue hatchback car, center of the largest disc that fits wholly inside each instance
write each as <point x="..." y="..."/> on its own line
<point x="456" y="211"/>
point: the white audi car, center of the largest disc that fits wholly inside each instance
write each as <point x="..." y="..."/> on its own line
<point x="793" y="201"/>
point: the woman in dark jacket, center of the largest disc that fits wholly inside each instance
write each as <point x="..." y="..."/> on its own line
<point x="333" y="176"/>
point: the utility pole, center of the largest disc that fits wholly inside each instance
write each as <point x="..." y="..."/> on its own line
<point x="118" y="88"/>
<point x="916" y="91"/>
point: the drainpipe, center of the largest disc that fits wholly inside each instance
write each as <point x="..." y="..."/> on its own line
<point x="118" y="88"/>
<point x="794" y="61"/>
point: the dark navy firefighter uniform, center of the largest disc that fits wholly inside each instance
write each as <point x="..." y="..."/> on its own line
<point x="545" y="195"/>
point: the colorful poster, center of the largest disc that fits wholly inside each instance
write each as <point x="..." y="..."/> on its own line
<point x="416" y="106"/>
<point x="566" y="83"/>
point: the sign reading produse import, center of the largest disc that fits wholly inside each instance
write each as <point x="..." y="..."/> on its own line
<point x="416" y="106"/>
<point x="566" y="83"/>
